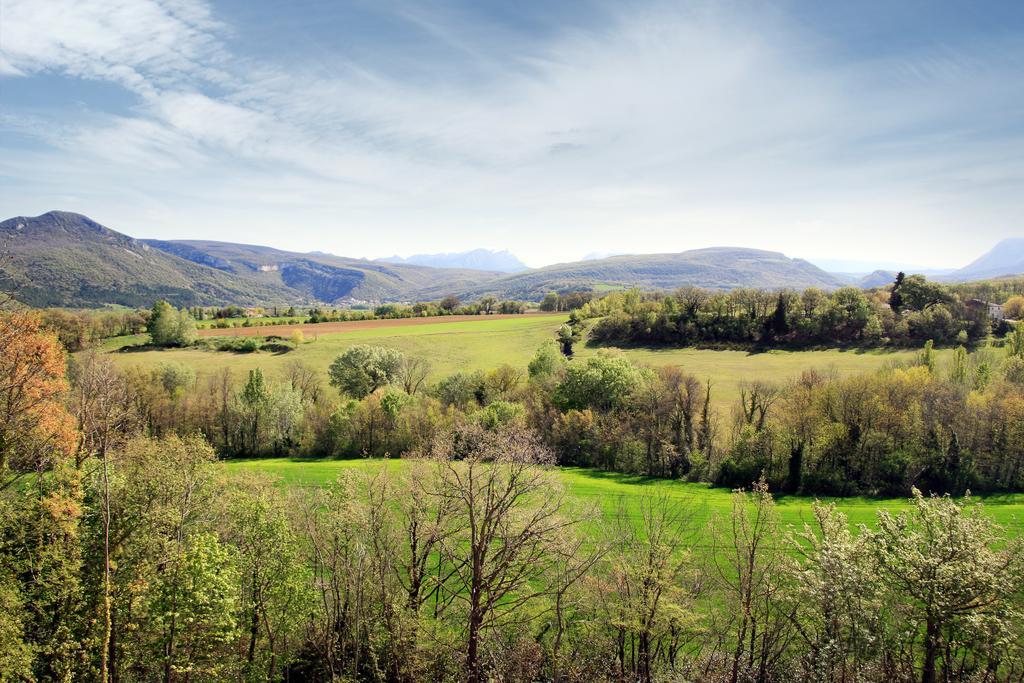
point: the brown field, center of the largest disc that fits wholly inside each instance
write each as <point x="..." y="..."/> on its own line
<point x="355" y="325"/>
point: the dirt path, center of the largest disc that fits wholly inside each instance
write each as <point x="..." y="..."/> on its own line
<point x="353" y="325"/>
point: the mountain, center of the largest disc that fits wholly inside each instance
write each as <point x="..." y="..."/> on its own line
<point x="714" y="268"/>
<point x="1006" y="258"/>
<point x="325" y="277"/>
<point x="66" y="259"/>
<point x="879" y="278"/>
<point x="477" y="259"/>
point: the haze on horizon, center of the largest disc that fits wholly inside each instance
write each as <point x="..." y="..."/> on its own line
<point x="858" y="131"/>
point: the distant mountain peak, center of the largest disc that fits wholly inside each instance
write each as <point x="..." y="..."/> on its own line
<point x="1006" y="258"/>
<point x="501" y="261"/>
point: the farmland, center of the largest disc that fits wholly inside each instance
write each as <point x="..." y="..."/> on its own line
<point x="454" y="344"/>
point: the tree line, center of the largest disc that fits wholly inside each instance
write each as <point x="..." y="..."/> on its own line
<point x="910" y="312"/>
<point x="127" y="556"/>
<point x="941" y="427"/>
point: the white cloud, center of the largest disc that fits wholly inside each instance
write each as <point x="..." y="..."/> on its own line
<point x="664" y="129"/>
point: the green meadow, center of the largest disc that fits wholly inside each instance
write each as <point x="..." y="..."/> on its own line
<point x="609" y="490"/>
<point x="484" y="344"/>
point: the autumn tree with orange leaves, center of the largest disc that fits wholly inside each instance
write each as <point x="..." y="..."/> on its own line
<point x="35" y="426"/>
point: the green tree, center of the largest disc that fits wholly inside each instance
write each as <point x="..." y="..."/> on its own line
<point x="363" y="369"/>
<point x="837" y="599"/>
<point x="169" y="326"/>
<point x="917" y="293"/>
<point x="1016" y="345"/>
<point x="568" y="335"/>
<point x="958" y="369"/>
<point x="604" y="381"/>
<point x="547" y="361"/>
<point x="196" y="601"/>
<point x="927" y="357"/>
<point x="275" y="593"/>
<point x="254" y="400"/>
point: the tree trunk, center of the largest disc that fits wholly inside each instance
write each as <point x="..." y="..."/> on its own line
<point x="105" y="648"/>
<point x="931" y="650"/>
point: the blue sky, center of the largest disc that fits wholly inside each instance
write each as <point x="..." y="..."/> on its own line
<point x="889" y="131"/>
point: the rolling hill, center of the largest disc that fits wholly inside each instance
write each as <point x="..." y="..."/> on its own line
<point x="714" y="268"/>
<point x="325" y="277"/>
<point x="66" y="259"/>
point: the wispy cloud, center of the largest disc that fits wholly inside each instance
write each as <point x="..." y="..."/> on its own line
<point x="658" y="128"/>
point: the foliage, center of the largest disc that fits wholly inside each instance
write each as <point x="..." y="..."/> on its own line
<point x="168" y="326"/>
<point x="362" y="369"/>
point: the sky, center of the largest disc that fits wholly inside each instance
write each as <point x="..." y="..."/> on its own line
<point x="866" y="131"/>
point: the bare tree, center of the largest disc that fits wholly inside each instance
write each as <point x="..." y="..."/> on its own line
<point x="304" y="380"/>
<point x="511" y="515"/>
<point x="412" y="373"/>
<point x="756" y="400"/>
<point x="750" y="568"/>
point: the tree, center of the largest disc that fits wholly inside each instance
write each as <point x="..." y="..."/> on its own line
<point x="604" y="381"/>
<point x="169" y="326"/>
<point x="487" y="304"/>
<point x="778" y="324"/>
<point x="958" y="369"/>
<point x="551" y="302"/>
<point x="254" y="399"/>
<point x="916" y="293"/>
<point x="750" y="577"/>
<point x="895" y="297"/>
<point x="510" y="514"/>
<point x="195" y="600"/>
<point x="274" y="584"/>
<point x="449" y="303"/>
<point x="363" y="369"/>
<point x="568" y="335"/>
<point x="1013" y="308"/>
<point x="105" y="413"/>
<point x="412" y="373"/>
<point x="547" y="361"/>
<point x="656" y="584"/>
<point x="35" y="427"/>
<point x="1016" y="346"/>
<point x="952" y="574"/>
<point x="927" y="357"/>
<point x="838" y="603"/>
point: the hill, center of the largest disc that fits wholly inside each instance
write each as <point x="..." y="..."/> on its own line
<point x="714" y="268"/>
<point x="477" y="259"/>
<point x="66" y="259"/>
<point x="1006" y="258"/>
<point x="325" y="277"/>
<point x="879" y="278"/>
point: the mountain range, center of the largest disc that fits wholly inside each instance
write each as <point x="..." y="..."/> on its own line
<point x="66" y="259"/>
<point x="477" y="259"/>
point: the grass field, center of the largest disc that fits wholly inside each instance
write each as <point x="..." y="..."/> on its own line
<point x="606" y="490"/>
<point x="454" y="345"/>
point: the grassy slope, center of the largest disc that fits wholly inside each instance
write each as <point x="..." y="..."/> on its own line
<point x="483" y="345"/>
<point x="607" y="489"/>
